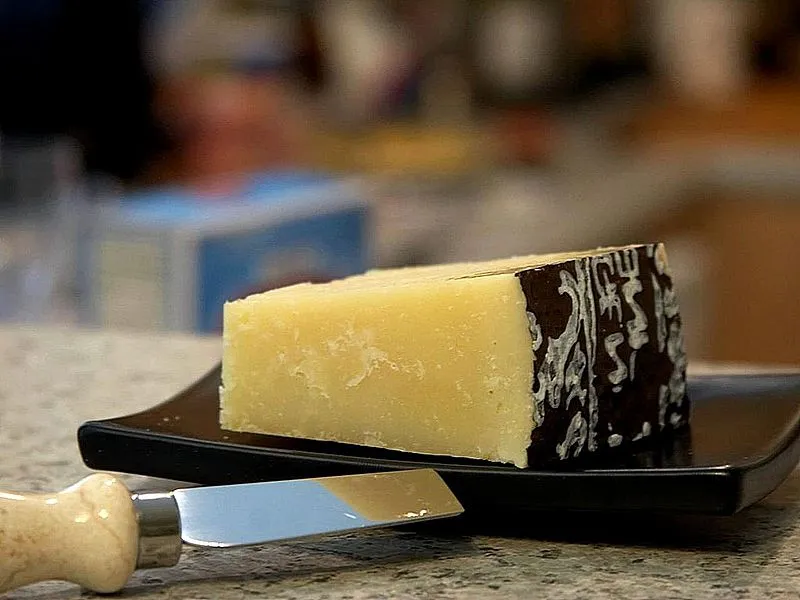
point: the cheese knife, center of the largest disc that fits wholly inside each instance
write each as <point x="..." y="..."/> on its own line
<point x="96" y="532"/>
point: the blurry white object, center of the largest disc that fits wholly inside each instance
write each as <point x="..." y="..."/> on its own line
<point x="517" y="45"/>
<point x="185" y="35"/>
<point x="701" y="46"/>
<point x="365" y="50"/>
<point x="40" y="217"/>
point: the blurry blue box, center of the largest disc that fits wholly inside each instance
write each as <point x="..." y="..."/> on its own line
<point x="169" y="258"/>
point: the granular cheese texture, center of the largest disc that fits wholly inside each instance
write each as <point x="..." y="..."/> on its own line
<point x="547" y="356"/>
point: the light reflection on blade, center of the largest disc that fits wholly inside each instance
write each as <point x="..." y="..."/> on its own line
<point x="254" y="513"/>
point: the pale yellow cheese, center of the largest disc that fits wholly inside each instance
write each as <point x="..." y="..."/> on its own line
<point x="440" y="359"/>
<point x="432" y="360"/>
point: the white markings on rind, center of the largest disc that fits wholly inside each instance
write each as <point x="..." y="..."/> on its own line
<point x="564" y="361"/>
<point x="608" y="299"/>
<point x="590" y="334"/>
<point x="644" y="432"/>
<point x="536" y="342"/>
<point x="575" y="438"/>
<point x="658" y="305"/>
<point x="660" y="260"/>
<point x="628" y="267"/>
<point x="567" y="370"/>
<point x="677" y="380"/>
<point x="670" y="303"/>
<point x="620" y="373"/>
<point x="663" y="402"/>
<point x="536" y="331"/>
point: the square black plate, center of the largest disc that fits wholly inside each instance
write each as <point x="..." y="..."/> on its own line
<point x="743" y="442"/>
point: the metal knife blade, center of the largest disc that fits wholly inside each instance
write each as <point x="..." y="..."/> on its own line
<point x="255" y="513"/>
<point x="244" y="514"/>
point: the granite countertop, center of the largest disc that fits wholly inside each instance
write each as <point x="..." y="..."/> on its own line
<point x="54" y="379"/>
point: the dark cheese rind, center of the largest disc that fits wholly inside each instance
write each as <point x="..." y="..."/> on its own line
<point x="609" y="364"/>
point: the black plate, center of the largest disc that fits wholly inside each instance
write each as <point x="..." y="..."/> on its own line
<point x="743" y="442"/>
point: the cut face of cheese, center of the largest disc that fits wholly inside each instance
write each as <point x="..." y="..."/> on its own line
<point x="433" y="366"/>
<point x="543" y="355"/>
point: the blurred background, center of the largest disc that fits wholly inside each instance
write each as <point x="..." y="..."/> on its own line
<point x="160" y="156"/>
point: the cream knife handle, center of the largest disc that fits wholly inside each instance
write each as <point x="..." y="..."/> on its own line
<point x="86" y="534"/>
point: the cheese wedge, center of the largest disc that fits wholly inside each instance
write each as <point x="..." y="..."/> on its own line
<point x="535" y="357"/>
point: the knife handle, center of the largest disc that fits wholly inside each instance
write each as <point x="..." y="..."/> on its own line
<point x="86" y="534"/>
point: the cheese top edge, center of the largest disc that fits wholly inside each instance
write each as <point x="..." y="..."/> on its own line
<point x="390" y="278"/>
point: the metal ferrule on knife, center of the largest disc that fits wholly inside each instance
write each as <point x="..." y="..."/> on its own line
<point x="159" y="522"/>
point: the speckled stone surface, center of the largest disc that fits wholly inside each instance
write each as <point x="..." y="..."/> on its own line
<point x="54" y="379"/>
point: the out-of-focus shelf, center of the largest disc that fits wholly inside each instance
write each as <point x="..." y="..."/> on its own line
<point x="422" y="148"/>
<point x="406" y="149"/>
<point x="765" y="112"/>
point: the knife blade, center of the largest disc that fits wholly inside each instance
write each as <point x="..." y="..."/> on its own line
<point x="96" y="532"/>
